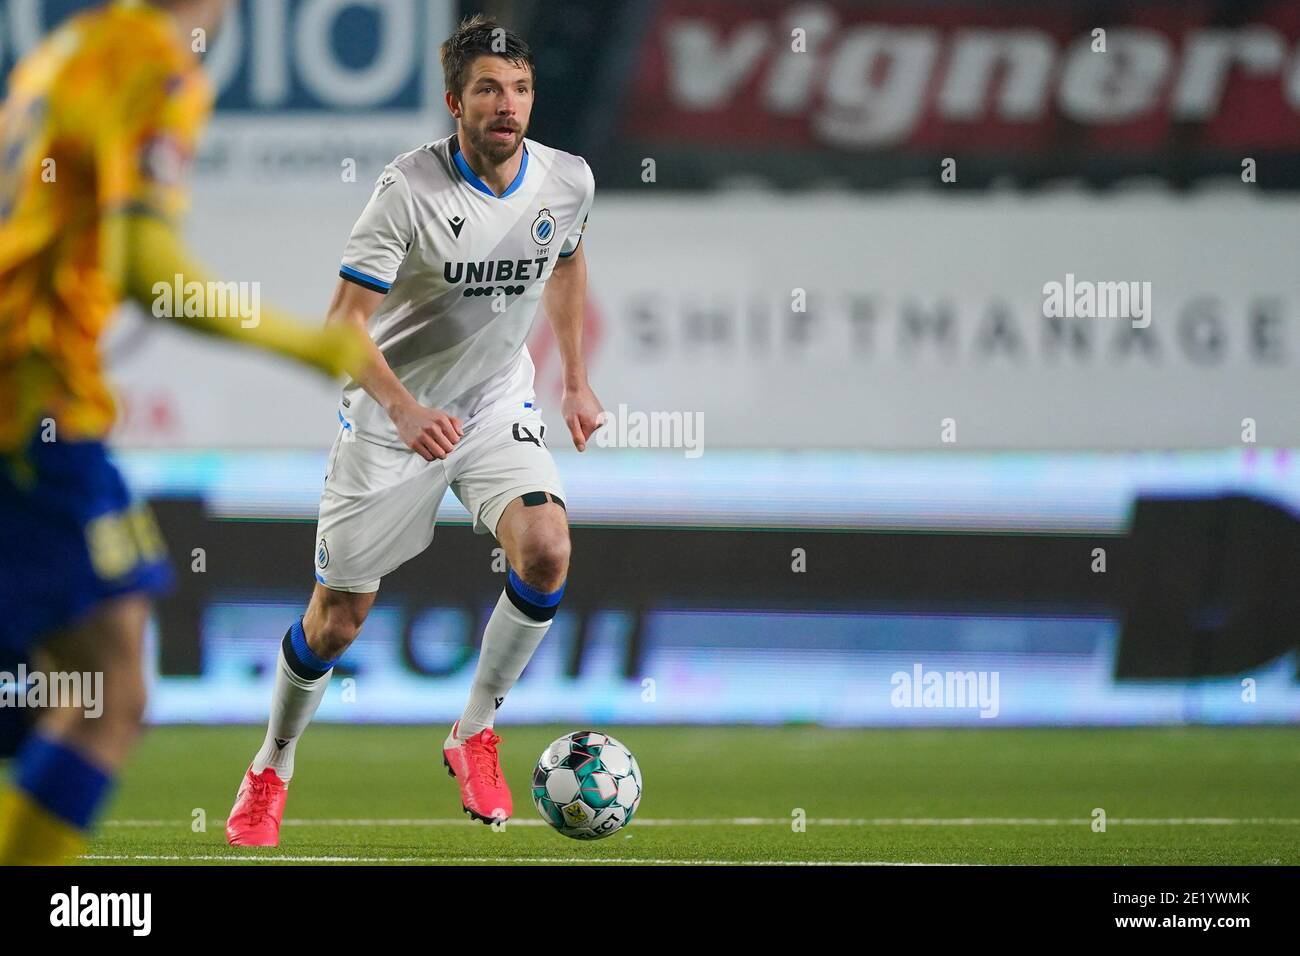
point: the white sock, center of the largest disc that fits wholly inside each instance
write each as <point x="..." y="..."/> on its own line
<point x="293" y="704"/>
<point x="509" y="640"/>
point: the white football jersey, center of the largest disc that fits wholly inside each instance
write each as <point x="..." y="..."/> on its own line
<point x="462" y="270"/>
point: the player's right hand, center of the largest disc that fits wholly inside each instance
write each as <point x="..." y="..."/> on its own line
<point x="429" y="432"/>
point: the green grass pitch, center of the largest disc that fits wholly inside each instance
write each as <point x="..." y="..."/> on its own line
<point x="378" y="794"/>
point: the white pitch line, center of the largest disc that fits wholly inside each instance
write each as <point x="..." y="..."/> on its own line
<point x="774" y="821"/>
<point x="215" y="858"/>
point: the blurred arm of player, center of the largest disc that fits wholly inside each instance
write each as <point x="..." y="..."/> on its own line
<point x="143" y="143"/>
<point x="152" y="253"/>
<point x="565" y="300"/>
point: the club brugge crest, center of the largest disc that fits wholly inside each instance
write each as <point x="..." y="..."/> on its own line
<point x="544" y="228"/>
<point x="322" y="554"/>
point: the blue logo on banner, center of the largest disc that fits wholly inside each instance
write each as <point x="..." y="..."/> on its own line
<point x="299" y="56"/>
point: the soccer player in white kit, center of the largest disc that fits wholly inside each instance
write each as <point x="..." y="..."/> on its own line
<point x="460" y="242"/>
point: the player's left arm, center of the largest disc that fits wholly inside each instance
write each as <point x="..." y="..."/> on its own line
<point x="565" y="301"/>
<point x="564" y="298"/>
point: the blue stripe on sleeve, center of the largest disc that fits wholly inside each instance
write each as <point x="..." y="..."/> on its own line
<point x="356" y="274"/>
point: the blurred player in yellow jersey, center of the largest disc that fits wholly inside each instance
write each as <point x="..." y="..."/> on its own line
<point x="95" y="140"/>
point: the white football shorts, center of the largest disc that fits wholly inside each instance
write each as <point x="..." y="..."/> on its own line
<point x="379" y="504"/>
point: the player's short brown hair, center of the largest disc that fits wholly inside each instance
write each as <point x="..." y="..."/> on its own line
<point x="477" y="36"/>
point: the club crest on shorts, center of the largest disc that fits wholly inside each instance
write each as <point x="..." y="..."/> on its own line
<point x="322" y="555"/>
<point x="544" y="228"/>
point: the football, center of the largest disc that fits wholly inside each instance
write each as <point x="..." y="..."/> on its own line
<point x="587" y="785"/>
